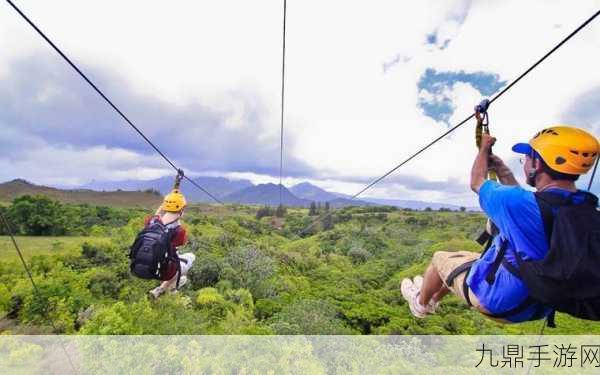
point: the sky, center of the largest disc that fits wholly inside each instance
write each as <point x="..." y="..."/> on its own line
<point x="367" y="84"/>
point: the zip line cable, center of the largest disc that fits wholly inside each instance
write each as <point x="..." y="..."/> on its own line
<point x="85" y="78"/>
<point x="282" y="107"/>
<point x="35" y="287"/>
<point x="497" y="96"/>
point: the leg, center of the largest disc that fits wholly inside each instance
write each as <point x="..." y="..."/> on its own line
<point x="169" y="284"/>
<point x="440" y="294"/>
<point x="432" y="285"/>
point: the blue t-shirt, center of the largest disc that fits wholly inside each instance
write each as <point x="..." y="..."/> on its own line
<point x="515" y="212"/>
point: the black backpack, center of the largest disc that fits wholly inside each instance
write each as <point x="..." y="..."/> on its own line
<point x="568" y="278"/>
<point x="151" y="252"/>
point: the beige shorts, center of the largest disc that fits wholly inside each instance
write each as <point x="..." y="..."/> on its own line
<point x="445" y="262"/>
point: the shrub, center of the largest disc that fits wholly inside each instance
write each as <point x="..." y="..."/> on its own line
<point x="264" y="212"/>
<point x="309" y="317"/>
<point x="359" y="255"/>
<point x="213" y="304"/>
<point x="104" y="283"/>
<point x="207" y="271"/>
<point x="249" y="268"/>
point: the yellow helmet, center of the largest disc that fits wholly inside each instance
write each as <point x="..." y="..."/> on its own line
<point x="564" y="149"/>
<point x="174" y="201"/>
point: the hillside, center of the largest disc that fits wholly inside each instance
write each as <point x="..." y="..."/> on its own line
<point x="308" y="191"/>
<point x="218" y="186"/>
<point x="16" y="188"/>
<point x="248" y="277"/>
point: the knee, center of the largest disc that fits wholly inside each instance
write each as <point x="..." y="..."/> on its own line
<point x="437" y="258"/>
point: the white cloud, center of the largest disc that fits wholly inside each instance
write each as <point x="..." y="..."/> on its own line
<point x="346" y="116"/>
<point x="69" y="166"/>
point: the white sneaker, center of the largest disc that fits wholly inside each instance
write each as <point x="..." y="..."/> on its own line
<point x="411" y="294"/>
<point x="418" y="281"/>
<point x="156" y="292"/>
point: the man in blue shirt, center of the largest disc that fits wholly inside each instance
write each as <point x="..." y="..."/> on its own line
<point x="554" y="159"/>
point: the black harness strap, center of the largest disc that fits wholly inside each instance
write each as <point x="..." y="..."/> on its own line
<point x="491" y="275"/>
<point x="484" y="239"/>
<point x="465" y="267"/>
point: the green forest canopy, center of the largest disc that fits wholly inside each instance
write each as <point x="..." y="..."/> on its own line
<point x="248" y="278"/>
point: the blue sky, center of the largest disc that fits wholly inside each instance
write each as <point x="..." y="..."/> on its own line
<point x="438" y="105"/>
<point x="205" y="86"/>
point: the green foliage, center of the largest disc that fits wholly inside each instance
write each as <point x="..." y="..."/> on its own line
<point x="4" y="299"/>
<point x="309" y="317"/>
<point x="170" y="315"/>
<point x="42" y="216"/>
<point x="37" y="216"/>
<point x="206" y="272"/>
<point x="248" y="278"/>
<point x="359" y="255"/>
<point x="281" y="211"/>
<point x="60" y="295"/>
<point x="104" y="283"/>
<point x="264" y="212"/>
<point x="249" y="268"/>
<point x="327" y="222"/>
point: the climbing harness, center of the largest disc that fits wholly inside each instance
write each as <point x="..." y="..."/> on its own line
<point x="175" y="201"/>
<point x="483" y="127"/>
<point x="178" y="179"/>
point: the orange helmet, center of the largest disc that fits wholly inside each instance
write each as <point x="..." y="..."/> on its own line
<point x="564" y="149"/>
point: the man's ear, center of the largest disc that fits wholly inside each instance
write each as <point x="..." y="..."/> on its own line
<point x="537" y="164"/>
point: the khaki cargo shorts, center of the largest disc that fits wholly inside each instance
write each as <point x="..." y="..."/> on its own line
<point x="447" y="261"/>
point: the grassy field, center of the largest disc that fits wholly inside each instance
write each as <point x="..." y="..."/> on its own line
<point x="31" y="246"/>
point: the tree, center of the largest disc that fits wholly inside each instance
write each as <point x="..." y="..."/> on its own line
<point x="313" y="209"/>
<point x="327" y="222"/>
<point x="359" y="255"/>
<point x="37" y="216"/>
<point x="309" y="317"/>
<point x="206" y="271"/>
<point x="249" y="268"/>
<point x="281" y="211"/>
<point x="264" y="212"/>
<point x="463" y="209"/>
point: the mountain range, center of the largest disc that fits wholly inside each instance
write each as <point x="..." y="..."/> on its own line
<point x="243" y="191"/>
<point x="143" y="193"/>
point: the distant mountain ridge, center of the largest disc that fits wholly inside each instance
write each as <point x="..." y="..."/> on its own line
<point x="230" y="191"/>
<point x="306" y="190"/>
<point x="416" y="205"/>
<point x="18" y="187"/>
<point x="266" y="194"/>
<point x="220" y="187"/>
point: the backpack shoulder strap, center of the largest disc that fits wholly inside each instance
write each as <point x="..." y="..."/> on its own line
<point x="547" y="203"/>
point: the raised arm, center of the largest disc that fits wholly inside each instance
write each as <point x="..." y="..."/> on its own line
<point x="502" y="171"/>
<point x="480" y="166"/>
